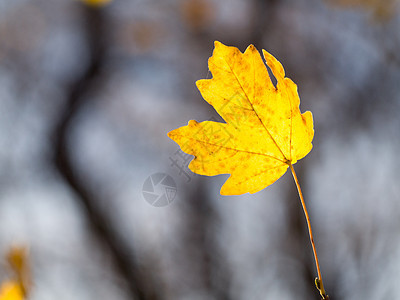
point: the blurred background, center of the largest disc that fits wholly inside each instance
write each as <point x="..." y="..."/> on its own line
<point x="88" y="92"/>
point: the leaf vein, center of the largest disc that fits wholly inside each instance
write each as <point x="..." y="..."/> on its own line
<point x="251" y="104"/>
<point x="229" y="148"/>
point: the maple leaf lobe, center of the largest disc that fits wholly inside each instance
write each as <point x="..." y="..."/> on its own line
<point x="264" y="132"/>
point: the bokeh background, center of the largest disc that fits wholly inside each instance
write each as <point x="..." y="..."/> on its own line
<point x="87" y="96"/>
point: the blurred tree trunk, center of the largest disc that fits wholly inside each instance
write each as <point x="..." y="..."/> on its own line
<point x="140" y="284"/>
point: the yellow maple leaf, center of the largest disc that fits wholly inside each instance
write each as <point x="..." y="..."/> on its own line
<point x="11" y="290"/>
<point x="18" y="288"/>
<point x="265" y="132"/>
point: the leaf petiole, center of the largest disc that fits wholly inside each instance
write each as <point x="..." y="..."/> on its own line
<point x="318" y="281"/>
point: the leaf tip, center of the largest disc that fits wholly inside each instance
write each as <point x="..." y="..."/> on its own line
<point x="192" y="123"/>
<point x="251" y="48"/>
<point x="274" y="64"/>
<point x="201" y="82"/>
<point x="218" y="44"/>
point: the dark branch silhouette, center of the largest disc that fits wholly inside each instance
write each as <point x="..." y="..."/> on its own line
<point x="139" y="284"/>
<point x="201" y="219"/>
